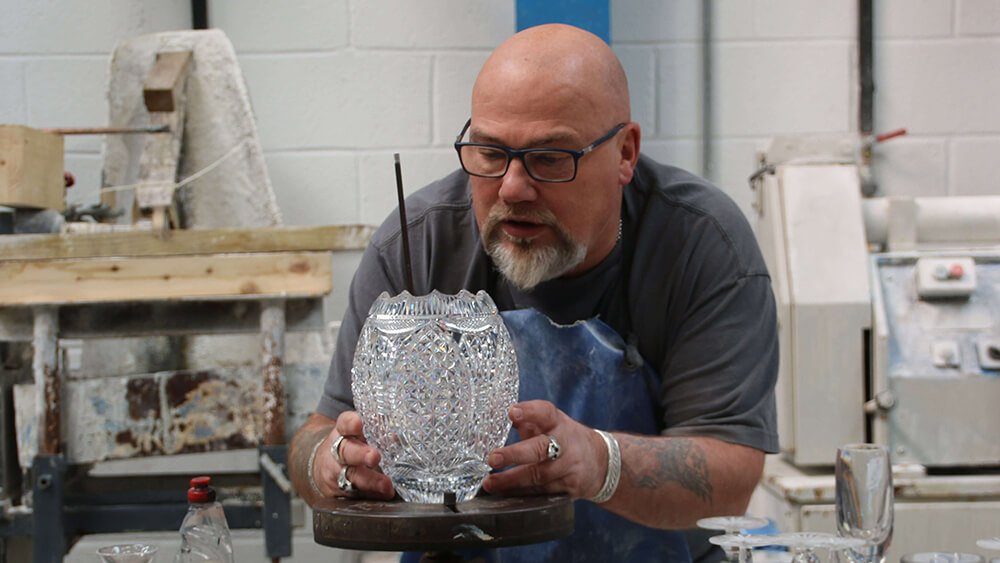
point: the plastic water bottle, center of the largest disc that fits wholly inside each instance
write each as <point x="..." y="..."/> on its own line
<point x="204" y="532"/>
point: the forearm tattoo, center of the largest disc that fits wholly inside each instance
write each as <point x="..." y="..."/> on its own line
<point x="676" y="459"/>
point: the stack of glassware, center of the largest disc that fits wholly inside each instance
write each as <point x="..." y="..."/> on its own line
<point x="864" y="498"/>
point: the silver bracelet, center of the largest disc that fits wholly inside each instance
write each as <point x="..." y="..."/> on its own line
<point x="309" y="471"/>
<point x="614" y="469"/>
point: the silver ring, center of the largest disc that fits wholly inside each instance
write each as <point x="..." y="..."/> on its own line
<point x="343" y="482"/>
<point x="554" y="450"/>
<point x="335" y="450"/>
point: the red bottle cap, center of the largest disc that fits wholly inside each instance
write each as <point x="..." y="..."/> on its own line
<point x="200" y="490"/>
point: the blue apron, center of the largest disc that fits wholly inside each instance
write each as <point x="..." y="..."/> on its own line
<point x="589" y="372"/>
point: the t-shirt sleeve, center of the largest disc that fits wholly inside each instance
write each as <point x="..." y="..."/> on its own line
<point x="720" y="372"/>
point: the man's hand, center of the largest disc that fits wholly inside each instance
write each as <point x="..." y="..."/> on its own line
<point x="666" y="482"/>
<point x="579" y="470"/>
<point x="362" y="461"/>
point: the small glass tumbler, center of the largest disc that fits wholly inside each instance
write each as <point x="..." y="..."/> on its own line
<point x="739" y="547"/>
<point x="992" y="544"/>
<point x="942" y="557"/>
<point x="127" y="553"/>
<point x="804" y="545"/>
<point x="736" y="543"/>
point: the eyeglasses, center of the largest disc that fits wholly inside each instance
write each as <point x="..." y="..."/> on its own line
<point x="543" y="164"/>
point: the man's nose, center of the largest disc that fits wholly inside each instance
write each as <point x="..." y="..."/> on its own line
<point x="516" y="185"/>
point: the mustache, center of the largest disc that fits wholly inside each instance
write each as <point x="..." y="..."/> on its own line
<point x="502" y="212"/>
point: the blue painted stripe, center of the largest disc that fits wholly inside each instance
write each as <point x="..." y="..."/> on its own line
<point x="592" y="15"/>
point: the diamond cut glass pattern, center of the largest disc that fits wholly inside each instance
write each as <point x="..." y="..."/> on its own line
<point x="433" y="378"/>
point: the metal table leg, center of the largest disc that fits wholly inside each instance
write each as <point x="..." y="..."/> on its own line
<point x="277" y="498"/>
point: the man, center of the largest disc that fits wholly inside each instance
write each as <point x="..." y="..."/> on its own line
<point x="585" y="230"/>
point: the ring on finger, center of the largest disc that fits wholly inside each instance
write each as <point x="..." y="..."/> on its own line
<point x="343" y="482"/>
<point x="554" y="450"/>
<point x="335" y="449"/>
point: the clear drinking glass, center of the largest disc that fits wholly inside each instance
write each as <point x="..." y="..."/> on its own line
<point x="992" y="544"/>
<point x="737" y="544"/>
<point x="841" y="548"/>
<point x="989" y="543"/>
<point x="865" y="499"/>
<point x="127" y="553"/>
<point x="804" y="545"/>
<point x="433" y="379"/>
<point x="732" y="524"/>
<point x="942" y="557"/>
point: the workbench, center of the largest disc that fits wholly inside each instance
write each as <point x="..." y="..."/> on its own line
<point x="134" y="283"/>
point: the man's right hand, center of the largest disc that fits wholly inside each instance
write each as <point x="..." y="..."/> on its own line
<point x="360" y="459"/>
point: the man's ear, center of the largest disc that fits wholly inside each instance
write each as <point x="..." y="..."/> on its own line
<point x="629" y="152"/>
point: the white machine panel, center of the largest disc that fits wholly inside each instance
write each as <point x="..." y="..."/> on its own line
<point x="938" y="326"/>
<point x="889" y="321"/>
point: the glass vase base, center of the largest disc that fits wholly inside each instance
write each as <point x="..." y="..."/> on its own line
<point x="432" y="489"/>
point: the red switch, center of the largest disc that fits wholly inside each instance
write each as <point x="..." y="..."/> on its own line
<point x="956" y="272"/>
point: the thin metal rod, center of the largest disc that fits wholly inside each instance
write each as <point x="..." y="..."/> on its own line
<point x="866" y="58"/>
<point x="407" y="264"/>
<point x="107" y="130"/>
<point x="707" y="157"/>
<point x="272" y="327"/>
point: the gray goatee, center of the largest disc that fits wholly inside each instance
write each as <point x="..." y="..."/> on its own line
<point x="523" y="261"/>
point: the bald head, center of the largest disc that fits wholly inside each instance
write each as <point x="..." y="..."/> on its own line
<point x="556" y="66"/>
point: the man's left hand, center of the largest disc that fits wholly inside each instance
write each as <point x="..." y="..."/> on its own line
<point x="578" y="471"/>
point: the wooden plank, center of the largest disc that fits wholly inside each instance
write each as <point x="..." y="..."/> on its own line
<point x="95" y="280"/>
<point x="165" y="81"/>
<point x="31" y="168"/>
<point x="185" y="242"/>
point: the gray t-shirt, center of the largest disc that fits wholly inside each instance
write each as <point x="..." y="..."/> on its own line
<point x="698" y="297"/>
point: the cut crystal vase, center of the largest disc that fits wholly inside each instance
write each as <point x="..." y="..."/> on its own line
<point x="433" y="379"/>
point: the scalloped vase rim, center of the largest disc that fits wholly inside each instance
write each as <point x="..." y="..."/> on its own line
<point x="480" y="297"/>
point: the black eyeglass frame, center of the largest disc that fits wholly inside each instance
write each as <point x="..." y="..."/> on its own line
<point x="519" y="153"/>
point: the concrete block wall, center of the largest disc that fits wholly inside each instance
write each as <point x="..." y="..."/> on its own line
<point x="54" y="67"/>
<point x="789" y="67"/>
<point x="339" y="85"/>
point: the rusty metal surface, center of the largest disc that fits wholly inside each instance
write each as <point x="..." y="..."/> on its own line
<point x="480" y="523"/>
<point x="45" y="366"/>
<point x="166" y="413"/>
<point x="272" y="324"/>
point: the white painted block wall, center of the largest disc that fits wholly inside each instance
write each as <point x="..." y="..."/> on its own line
<point x="789" y="66"/>
<point x="339" y="85"/>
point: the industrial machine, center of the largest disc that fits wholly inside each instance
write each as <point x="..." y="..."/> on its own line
<point x="889" y="323"/>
